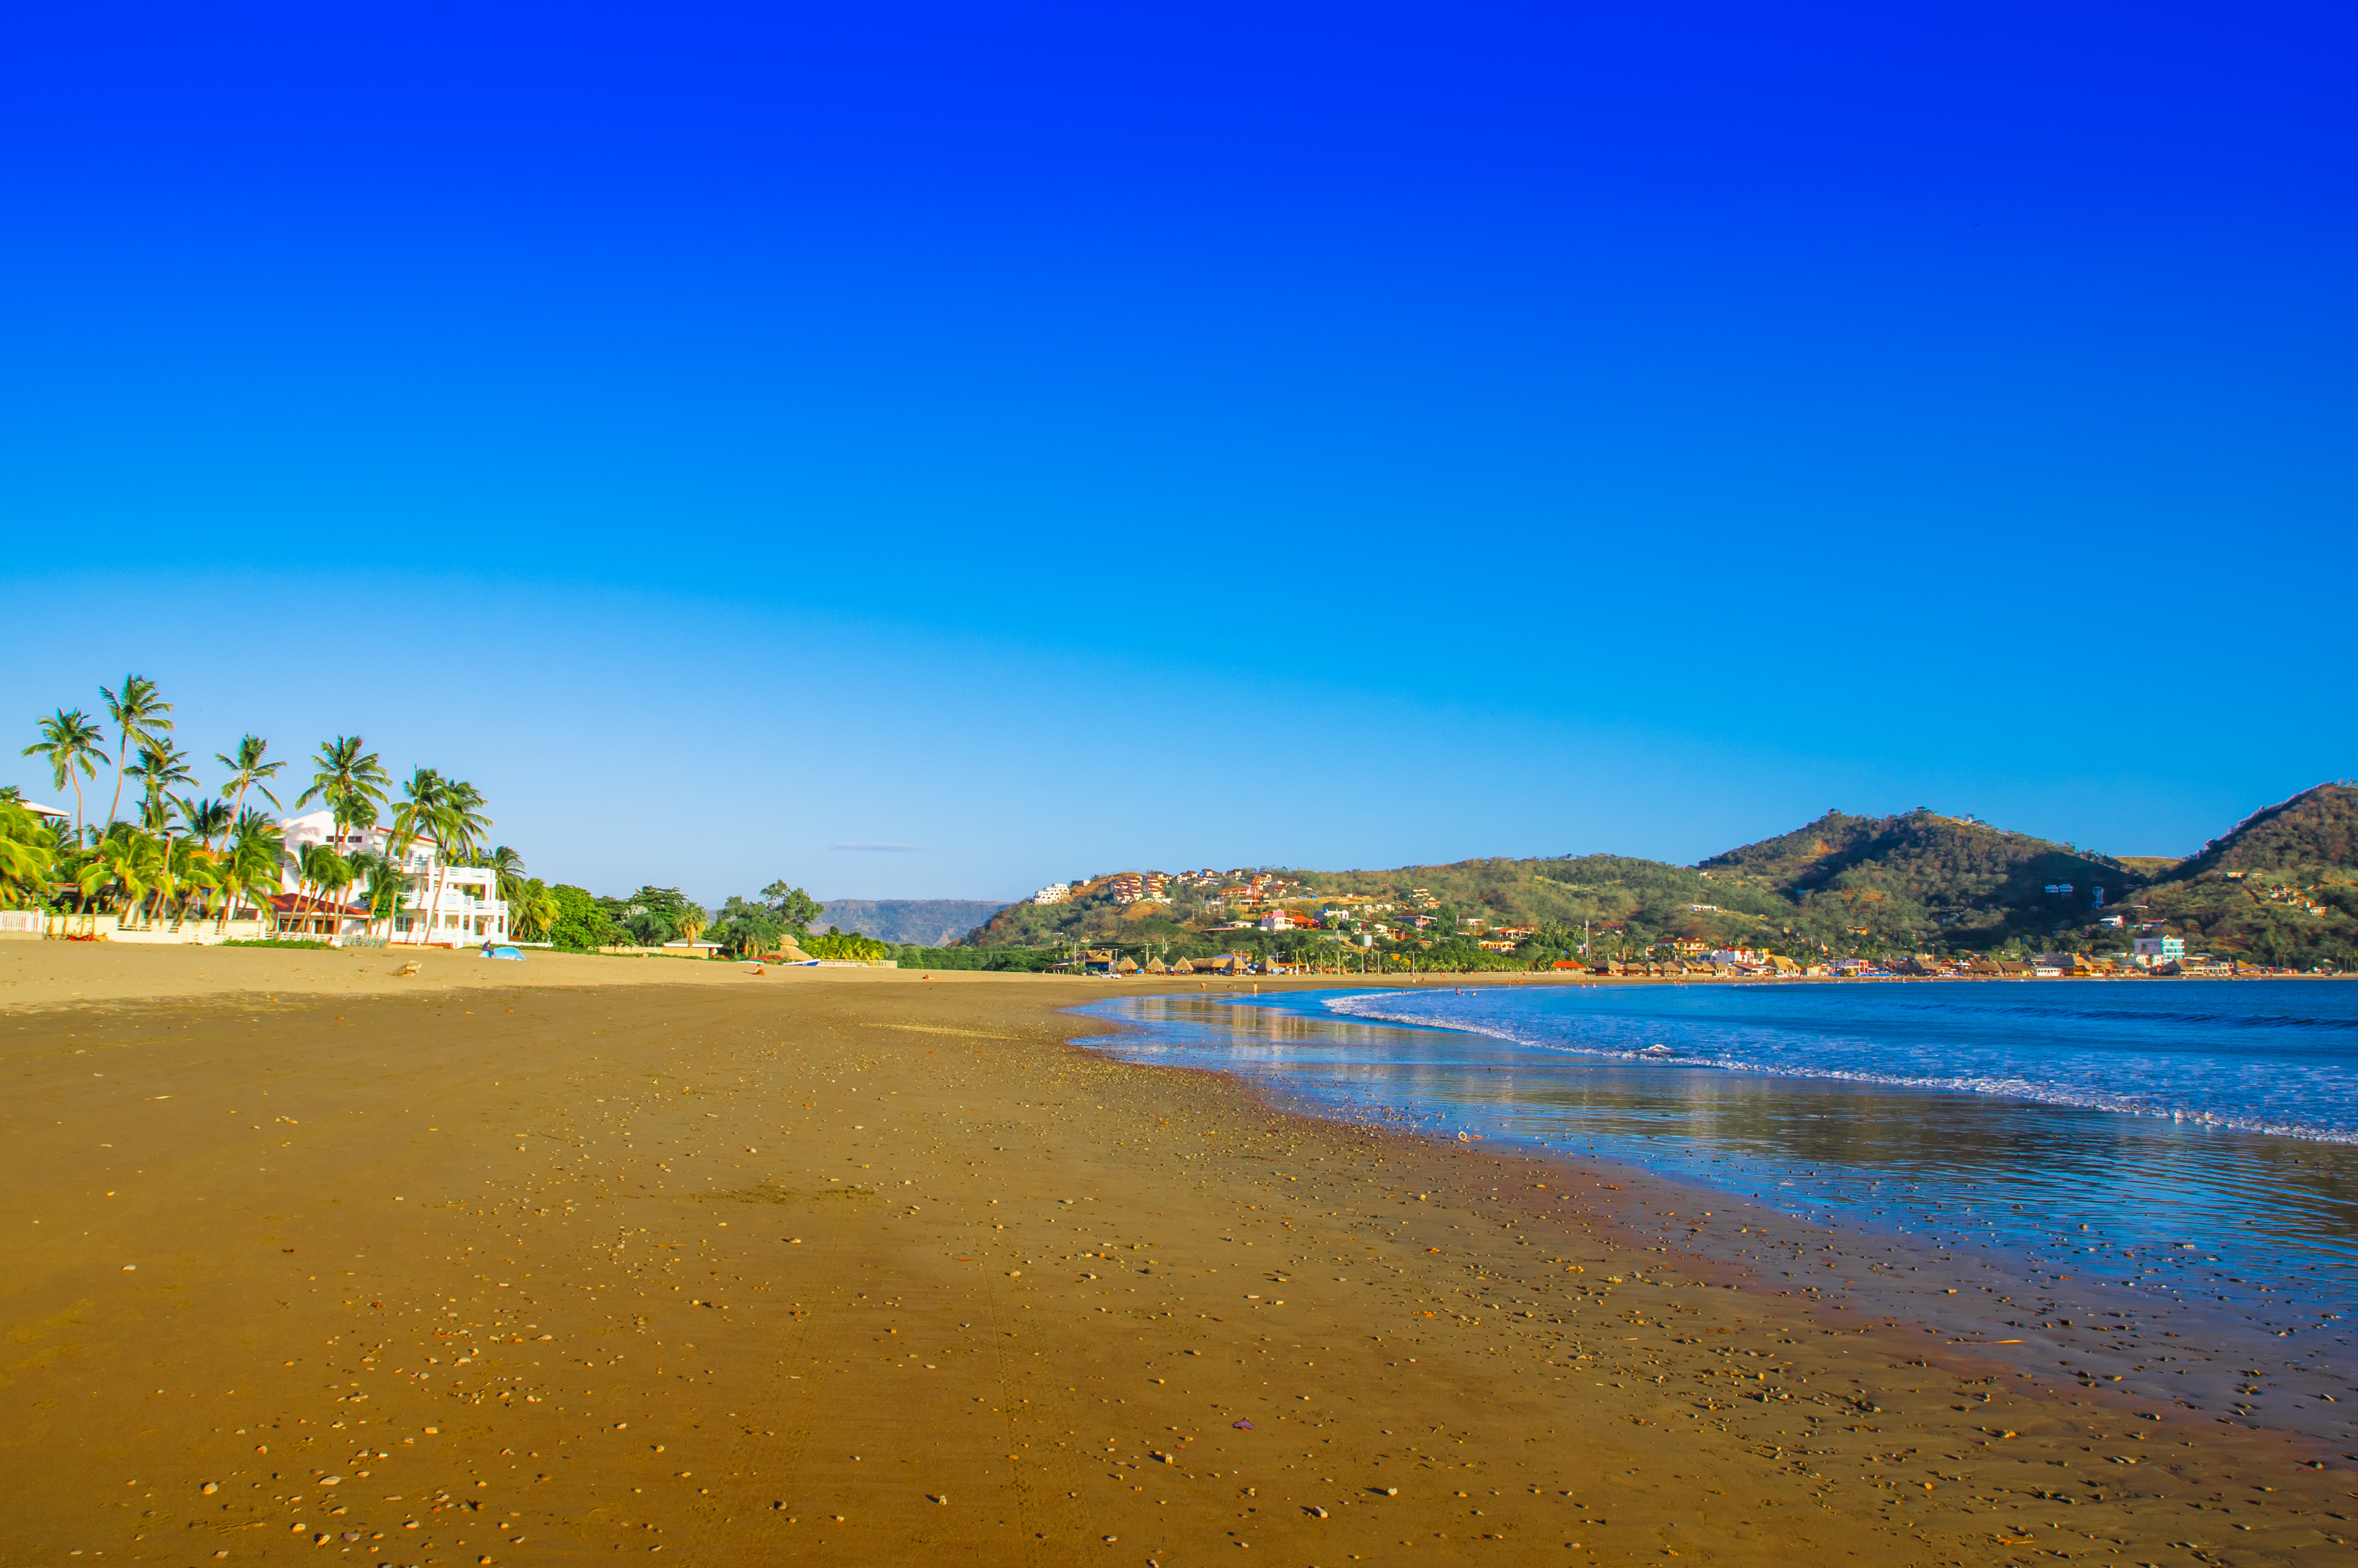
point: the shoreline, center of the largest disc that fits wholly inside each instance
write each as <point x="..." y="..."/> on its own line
<point x="1839" y="1261"/>
<point x="760" y="1272"/>
<point x="36" y="974"/>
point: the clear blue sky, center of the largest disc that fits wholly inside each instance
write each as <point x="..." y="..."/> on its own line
<point x="1062" y="438"/>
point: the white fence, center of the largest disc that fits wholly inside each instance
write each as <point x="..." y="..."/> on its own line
<point x="35" y="925"/>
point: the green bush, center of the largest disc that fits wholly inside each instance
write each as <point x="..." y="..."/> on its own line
<point x="581" y="926"/>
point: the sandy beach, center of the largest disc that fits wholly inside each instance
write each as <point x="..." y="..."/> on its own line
<point x="539" y="1263"/>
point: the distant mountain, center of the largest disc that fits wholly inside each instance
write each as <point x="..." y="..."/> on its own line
<point x="928" y="922"/>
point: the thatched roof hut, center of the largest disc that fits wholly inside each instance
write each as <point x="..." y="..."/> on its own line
<point x="1183" y="967"/>
<point x="1126" y="967"/>
<point x="1157" y="966"/>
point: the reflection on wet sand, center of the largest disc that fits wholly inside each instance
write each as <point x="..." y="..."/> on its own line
<point x="2182" y="1260"/>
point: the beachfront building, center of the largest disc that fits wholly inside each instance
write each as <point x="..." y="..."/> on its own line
<point x="441" y="905"/>
<point x="2153" y="952"/>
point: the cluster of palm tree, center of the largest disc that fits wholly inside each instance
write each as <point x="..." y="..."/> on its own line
<point x="182" y="856"/>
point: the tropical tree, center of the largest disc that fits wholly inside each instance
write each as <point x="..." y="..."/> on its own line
<point x="140" y="715"/>
<point x="463" y="816"/>
<point x="747" y="928"/>
<point x="349" y="779"/>
<point x="73" y="745"/>
<point x="386" y="880"/>
<point x="187" y="869"/>
<point x="794" y="908"/>
<point x="419" y="815"/>
<point x="459" y="832"/>
<point x="160" y="767"/>
<point x="126" y="859"/>
<point x="507" y="867"/>
<point x="208" y="819"/>
<point x="251" y="859"/>
<point x="532" y="909"/>
<point x="318" y="865"/>
<point x="27" y="854"/>
<point x="247" y="770"/>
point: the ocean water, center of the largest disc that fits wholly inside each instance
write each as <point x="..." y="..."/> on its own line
<point x="2185" y="1142"/>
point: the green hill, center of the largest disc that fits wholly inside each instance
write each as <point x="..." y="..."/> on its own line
<point x="1843" y="884"/>
<point x="2280" y="887"/>
<point x="1944" y="881"/>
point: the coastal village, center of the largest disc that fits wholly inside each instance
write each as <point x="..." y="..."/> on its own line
<point x="1409" y="927"/>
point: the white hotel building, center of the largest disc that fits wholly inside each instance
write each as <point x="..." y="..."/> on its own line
<point x="468" y="910"/>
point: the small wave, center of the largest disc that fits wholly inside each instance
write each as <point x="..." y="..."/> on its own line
<point x="2002" y="1085"/>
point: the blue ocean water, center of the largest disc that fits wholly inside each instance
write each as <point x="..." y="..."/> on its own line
<point x="2190" y="1140"/>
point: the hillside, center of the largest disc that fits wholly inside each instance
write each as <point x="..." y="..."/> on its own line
<point x="926" y="922"/>
<point x="2317" y="829"/>
<point x="1841" y="884"/>
<point x="2280" y="887"/>
<point x="1946" y="879"/>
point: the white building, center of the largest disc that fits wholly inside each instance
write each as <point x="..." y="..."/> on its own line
<point x="1054" y="893"/>
<point x="466" y="907"/>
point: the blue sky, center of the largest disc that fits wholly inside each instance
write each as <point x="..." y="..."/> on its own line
<point x="1064" y="438"/>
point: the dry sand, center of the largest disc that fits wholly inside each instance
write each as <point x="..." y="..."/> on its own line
<point x="536" y="1263"/>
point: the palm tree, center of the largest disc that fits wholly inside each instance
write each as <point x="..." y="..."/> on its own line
<point x="341" y="876"/>
<point x="318" y="865"/>
<point x="126" y="858"/>
<point x="187" y="869"/>
<point x="27" y="853"/>
<point x="247" y="770"/>
<point x="532" y="909"/>
<point x="73" y="745"/>
<point x="206" y="818"/>
<point x="459" y="833"/>
<point x="252" y="858"/>
<point x="384" y="878"/>
<point x="420" y="814"/>
<point x="160" y="767"/>
<point x="507" y="867"/>
<point x="140" y="718"/>
<point x="351" y="780"/>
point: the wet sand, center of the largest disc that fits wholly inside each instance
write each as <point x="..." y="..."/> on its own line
<point x="849" y="1266"/>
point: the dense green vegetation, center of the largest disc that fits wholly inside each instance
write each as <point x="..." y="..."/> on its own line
<point x="1029" y="960"/>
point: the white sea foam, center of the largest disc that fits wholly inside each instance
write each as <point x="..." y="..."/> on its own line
<point x="1382" y="1007"/>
